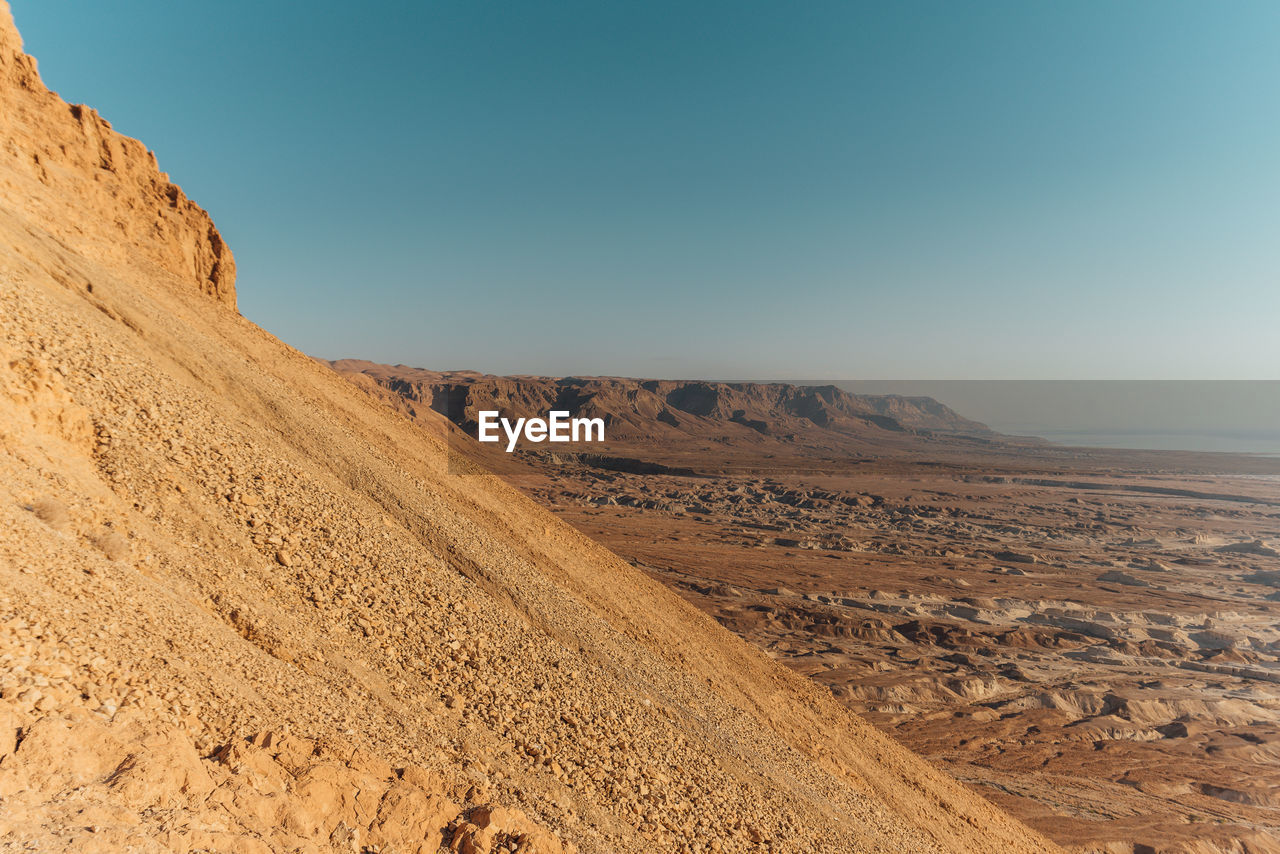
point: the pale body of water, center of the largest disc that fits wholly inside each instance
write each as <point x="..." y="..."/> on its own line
<point x="1230" y="416"/>
<point x="1266" y="446"/>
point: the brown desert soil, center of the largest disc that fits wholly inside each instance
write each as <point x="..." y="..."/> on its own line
<point x="1087" y="637"/>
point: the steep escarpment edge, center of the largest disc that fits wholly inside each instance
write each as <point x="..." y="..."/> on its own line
<point x="66" y="172"/>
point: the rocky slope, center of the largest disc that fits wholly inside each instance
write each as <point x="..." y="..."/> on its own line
<point x="244" y="606"/>
<point x="671" y="410"/>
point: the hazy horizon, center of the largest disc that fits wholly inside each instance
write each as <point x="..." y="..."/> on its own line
<point x="1228" y="416"/>
<point x="992" y="189"/>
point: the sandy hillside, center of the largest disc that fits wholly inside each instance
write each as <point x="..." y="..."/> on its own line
<point x="243" y="607"/>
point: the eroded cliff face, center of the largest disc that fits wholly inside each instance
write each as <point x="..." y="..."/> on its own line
<point x="99" y="193"/>
<point x="673" y="409"/>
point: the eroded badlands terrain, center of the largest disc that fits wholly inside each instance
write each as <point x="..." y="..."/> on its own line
<point x="1087" y="637"/>
<point x="1103" y="662"/>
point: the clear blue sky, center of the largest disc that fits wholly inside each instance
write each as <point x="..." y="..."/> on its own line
<point x="740" y="189"/>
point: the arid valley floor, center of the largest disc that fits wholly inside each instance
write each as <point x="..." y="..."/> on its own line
<point x="1087" y="637"/>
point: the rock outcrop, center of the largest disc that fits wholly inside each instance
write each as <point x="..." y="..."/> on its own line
<point x="100" y="194"/>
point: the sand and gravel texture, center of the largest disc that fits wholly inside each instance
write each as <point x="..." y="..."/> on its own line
<point x="245" y="607"/>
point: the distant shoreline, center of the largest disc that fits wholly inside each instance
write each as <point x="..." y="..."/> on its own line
<point x="1215" y="416"/>
<point x="1190" y="442"/>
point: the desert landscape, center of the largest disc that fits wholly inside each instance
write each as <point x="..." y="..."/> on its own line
<point x="1086" y="637"/>
<point x="253" y="600"/>
<point x="245" y="606"/>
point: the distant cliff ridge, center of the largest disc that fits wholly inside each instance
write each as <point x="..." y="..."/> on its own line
<point x="633" y="408"/>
